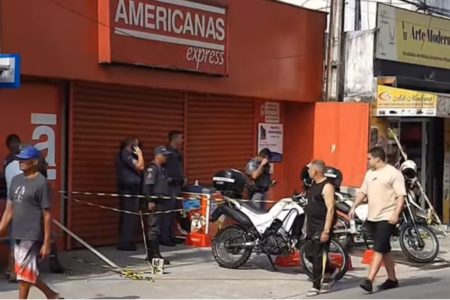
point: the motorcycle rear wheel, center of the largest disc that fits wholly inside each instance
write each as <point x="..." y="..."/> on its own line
<point x="337" y="255"/>
<point x="409" y="243"/>
<point x="231" y="257"/>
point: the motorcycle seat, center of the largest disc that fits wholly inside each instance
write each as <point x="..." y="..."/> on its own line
<point x="252" y="206"/>
<point x="343" y="207"/>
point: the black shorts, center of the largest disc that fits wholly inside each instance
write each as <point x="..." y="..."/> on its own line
<point x="381" y="232"/>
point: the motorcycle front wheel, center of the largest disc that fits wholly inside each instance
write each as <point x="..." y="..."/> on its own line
<point x="337" y="255"/>
<point x="410" y="243"/>
<point x="226" y="250"/>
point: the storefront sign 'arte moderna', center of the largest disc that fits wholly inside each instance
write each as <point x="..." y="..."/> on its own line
<point x="171" y="34"/>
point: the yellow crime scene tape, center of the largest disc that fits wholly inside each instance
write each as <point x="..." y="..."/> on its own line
<point x="111" y="266"/>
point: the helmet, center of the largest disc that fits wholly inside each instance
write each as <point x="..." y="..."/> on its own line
<point x="230" y="182"/>
<point x="305" y="178"/>
<point x="29" y="152"/>
<point x="409" y="169"/>
<point x="334" y="176"/>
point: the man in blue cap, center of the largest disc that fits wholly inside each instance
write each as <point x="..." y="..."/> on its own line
<point x="156" y="184"/>
<point x="28" y="207"/>
<point x="11" y="169"/>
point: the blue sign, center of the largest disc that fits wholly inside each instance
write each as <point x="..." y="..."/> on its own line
<point x="9" y="71"/>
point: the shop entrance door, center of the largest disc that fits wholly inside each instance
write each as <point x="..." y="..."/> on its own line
<point x="414" y="139"/>
<point x="412" y="133"/>
<point x="422" y="140"/>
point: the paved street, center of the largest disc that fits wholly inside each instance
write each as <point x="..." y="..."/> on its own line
<point x="194" y="274"/>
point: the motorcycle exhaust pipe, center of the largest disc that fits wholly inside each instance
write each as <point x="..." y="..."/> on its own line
<point x="246" y="244"/>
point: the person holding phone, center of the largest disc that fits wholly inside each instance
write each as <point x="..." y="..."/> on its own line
<point x="258" y="169"/>
<point x="130" y="167"/>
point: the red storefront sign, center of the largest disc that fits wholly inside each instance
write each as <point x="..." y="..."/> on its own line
<point x="170" y="34"/>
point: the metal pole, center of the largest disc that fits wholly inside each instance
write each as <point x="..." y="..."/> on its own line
<point x="357" y="15"/>
<point x="335" y="35"/>
<point x="89" y="247"/>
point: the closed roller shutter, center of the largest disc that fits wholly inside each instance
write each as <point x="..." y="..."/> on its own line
<point x="220" y="134"/>
<point x="102" y="116"/>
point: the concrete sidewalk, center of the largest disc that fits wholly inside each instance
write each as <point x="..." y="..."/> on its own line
<point x="195" y="274"/>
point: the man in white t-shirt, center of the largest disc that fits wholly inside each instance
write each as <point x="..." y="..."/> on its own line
<point x="385" y="191"/>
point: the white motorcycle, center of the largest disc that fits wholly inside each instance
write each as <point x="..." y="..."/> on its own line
<point x="276" y="232"/>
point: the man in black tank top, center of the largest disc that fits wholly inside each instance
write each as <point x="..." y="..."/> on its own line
<point x="319" y="223"/>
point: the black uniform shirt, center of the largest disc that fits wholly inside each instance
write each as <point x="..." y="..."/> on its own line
<point x="264" y="180"/>
<point x="155" y="181"/>
<point x="174" y="167"/>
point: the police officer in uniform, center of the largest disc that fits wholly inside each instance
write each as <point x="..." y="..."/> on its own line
<point x="130" y="166"/>
<point x="176" y="180"/>
<point x="319" y="223"/>
<point x="156" y="184"/>
<point x="258" y="169"/>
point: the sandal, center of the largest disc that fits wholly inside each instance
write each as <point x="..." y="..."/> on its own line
<point x="313" y="292"/>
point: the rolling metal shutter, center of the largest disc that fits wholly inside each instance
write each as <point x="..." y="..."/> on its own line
<point x="102" y="116"/>
<point x="220" y="135"/>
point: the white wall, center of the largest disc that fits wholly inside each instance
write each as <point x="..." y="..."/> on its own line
<point x="368" y="9"/>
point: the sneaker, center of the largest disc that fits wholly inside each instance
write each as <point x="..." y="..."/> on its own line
<point x="313" y="292"/>
<point x="367" y="285"/>
<point x="389" y="284"/>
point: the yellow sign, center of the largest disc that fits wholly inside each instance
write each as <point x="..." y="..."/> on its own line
<point x="400" y="102"/>
<point x="414" y="38"/>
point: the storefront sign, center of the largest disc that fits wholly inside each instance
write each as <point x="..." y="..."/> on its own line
<point x="171" y="34"/>
<point x="413" y="38"/>
<point x="272" y="112"/>
<point x="406" y="103"/>
<point x="271" y="136"/>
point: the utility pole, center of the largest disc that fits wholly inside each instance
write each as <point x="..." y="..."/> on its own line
<point x="357" y="15"/>
<point x="333" y="90"/>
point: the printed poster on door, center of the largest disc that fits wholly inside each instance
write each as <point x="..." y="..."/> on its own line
<point x="271" y="136"/>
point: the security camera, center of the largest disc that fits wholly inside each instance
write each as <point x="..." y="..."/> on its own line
<point x="5" y="65"/>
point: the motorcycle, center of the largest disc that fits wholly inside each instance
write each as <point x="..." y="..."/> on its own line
<point x="275" y="232"/>
<point x="418" y="242"/>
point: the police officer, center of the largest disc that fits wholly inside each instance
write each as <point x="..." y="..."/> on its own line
<point x="130" y="165"/>
<point x="258" y="169"/>
<point x="176" y="180"/>
<point x="156" y="184"/>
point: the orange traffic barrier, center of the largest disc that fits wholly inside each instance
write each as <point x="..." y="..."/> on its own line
<point x="198" y="240"/>
<point x="338" y="261"/>
<point x="368" y="257"/>
<point x="292" y="260"/>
